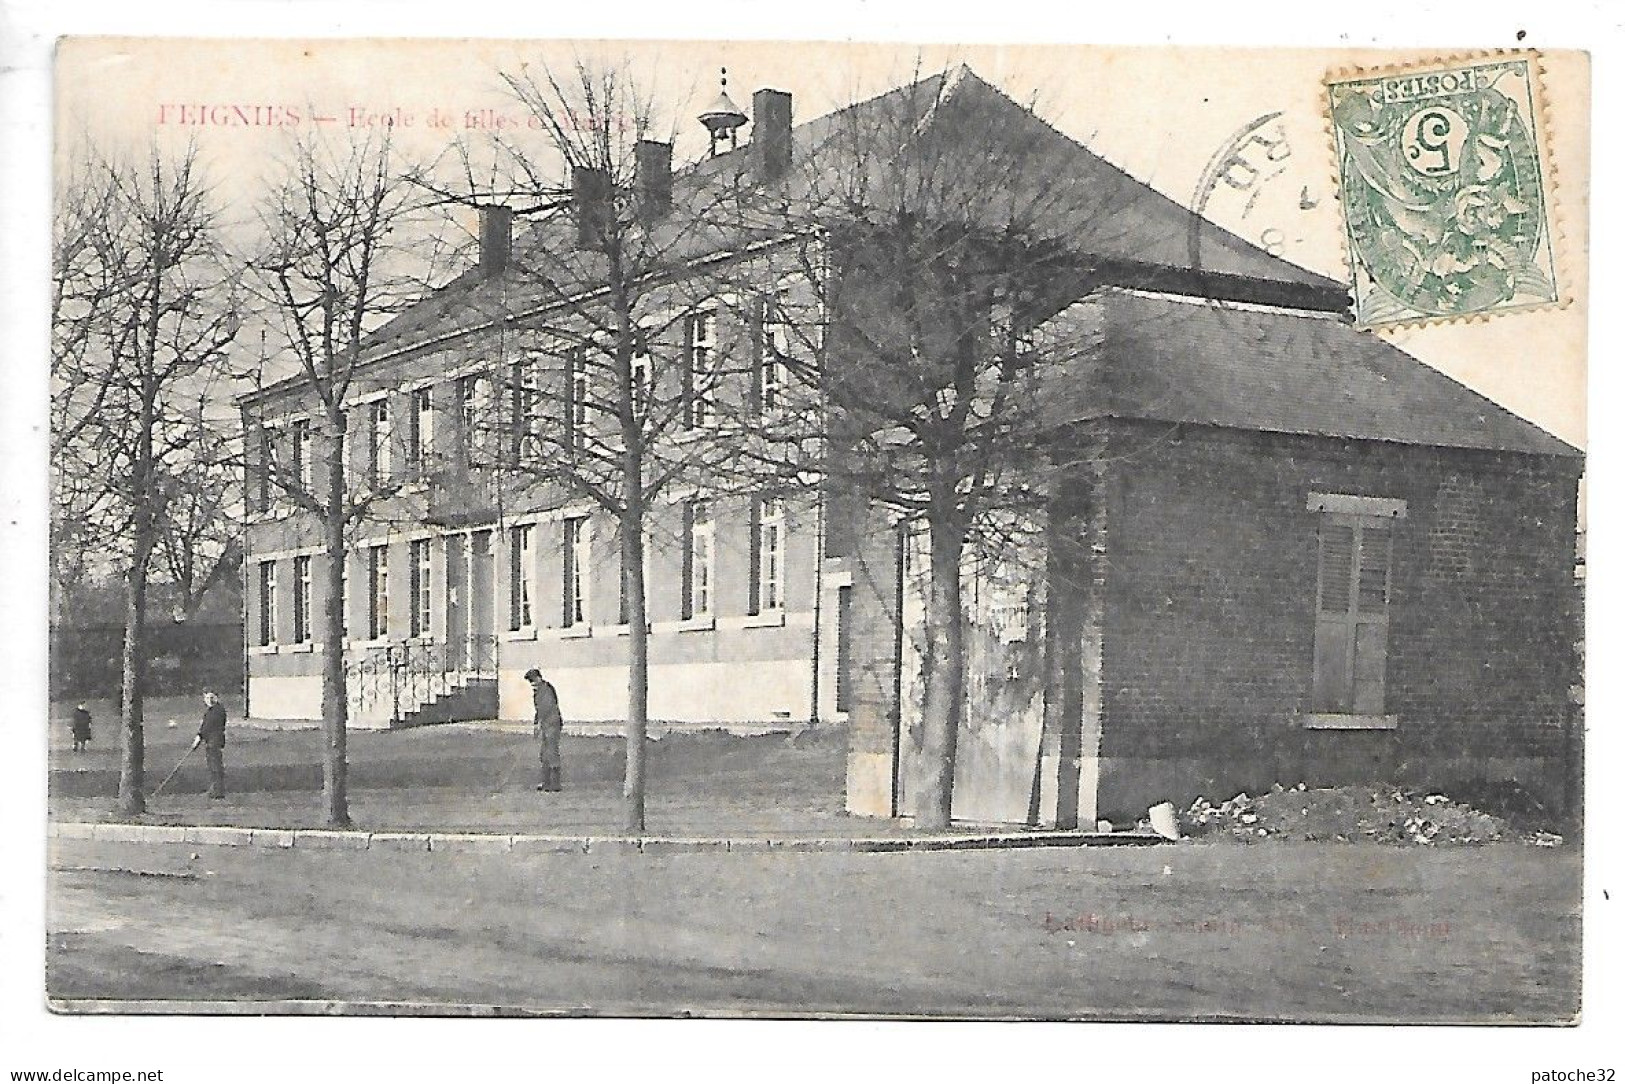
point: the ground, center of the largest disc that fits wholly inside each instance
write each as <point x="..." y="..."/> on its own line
<point x="1267" y="931"/>
<point x="1220" y="928"/>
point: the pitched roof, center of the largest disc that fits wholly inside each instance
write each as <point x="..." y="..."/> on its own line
<point x="1085" y="201"/>
<point x="1181" y="359"/>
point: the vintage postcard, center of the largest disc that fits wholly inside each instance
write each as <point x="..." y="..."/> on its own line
<point x="713" y="528"/>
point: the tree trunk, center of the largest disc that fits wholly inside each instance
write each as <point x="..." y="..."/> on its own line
<point x="335" y="696"/>
<point x="637" y="668"/>
<point x="132" y="768"/>
<point x="944" y="666"/>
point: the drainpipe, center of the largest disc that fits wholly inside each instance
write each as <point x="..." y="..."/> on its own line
<point x="818" y="602"/>
<point x="897" y="674"/>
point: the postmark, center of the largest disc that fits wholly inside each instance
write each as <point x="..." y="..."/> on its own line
<point x="1446" y="189"/>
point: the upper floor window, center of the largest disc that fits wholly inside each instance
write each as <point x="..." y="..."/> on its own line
<point x="700" y="369"/>
<point x="771" y="375"/>
<point x="265" y="467"/>
<point x="420" y="433"/>
<point x="575" y="396"/>
<point x="474" y="393"/>
<point x="642" y="378"/>
<point x="299" y="454"/>
<point x="524" y="391"/>
<point x="378" y="437"/>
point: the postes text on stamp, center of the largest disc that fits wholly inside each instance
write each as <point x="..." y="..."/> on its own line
<point x="1444" y="189"/>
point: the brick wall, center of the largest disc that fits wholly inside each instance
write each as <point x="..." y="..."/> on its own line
<point x="1209" y="641"/>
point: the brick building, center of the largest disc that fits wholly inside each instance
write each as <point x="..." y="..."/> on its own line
<point x="1293" y="553"/>
<point x="1277" y="548"/>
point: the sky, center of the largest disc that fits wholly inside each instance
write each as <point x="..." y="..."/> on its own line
<point x="1161" y="113"/>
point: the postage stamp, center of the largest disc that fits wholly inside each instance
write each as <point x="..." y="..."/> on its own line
<point x="1445" y="189"/>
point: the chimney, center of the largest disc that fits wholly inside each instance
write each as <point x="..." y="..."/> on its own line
<point x="496" y="239"/>
<point x="653" y="179"/>
<point x="770" y="134"/>
<point x="590" y="192"/>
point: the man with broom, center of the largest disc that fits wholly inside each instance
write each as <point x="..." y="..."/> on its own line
<point x="212" y="735"/>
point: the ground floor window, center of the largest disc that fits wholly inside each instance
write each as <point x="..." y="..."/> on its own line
<point x="520" y="564"/>
<point x="843" y="649"/>
<point x="267" y="602"/>
<point x="576" y="561"/>
<point x="699" y="559"/>
<point x="1356" y="548"/>
<point x="422" y="579"/>
<point x="377" y="592"/>
<point x="766" y="555"/>
<point x="301" y="600"/>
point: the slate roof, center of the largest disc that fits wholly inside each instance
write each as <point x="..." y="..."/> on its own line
<point x="1087" y="202"/>
<point x="1180" y="359"/>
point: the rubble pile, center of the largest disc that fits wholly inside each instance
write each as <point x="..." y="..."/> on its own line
<point x="1372" y="814"/>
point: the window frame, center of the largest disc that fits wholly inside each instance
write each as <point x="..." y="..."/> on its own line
<point x="521" y="577"/>
<point x="1352" y="613"/>
<point x="378" y="592"/>
<point x="699" y="560"/>
<point x="301" y="599"/>
<point x="420" y="556"/>
<point x="268" y="592"/>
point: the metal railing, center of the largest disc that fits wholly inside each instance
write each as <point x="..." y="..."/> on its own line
<point x="394" y="680"/>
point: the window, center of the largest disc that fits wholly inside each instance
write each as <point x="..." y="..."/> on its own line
<point x="420" y="433"/>
<point x="267" y="603"/>
<point x="575" y="391"/>
<point x="300" y="453"/>
<point x="422" y="578"/>
<point x="262" y="482"/>
<point x="474" y="393"/>
<point x="699" y="370"/>
<point x="626" y="598"/>
<point x="576" y="559"/>
<point x="377" y="592"/>
<point x="301" y="600"/>
<point x="378" y="465"/>
<point x="521" y="563"/>
<point x="1356" y="546"/>
<point x="524" y="428"/>
<point x="344" y="598"/>
<point x="699" y="559"/>
<point x="766" y="555"/>
<point x="642" y="378"/>
<point x="843" y="649"/>
<point x="775" y="347"/>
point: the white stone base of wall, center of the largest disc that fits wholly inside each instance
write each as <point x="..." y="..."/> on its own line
<point x="287" y="697"/>
<point x="721" y="692"/>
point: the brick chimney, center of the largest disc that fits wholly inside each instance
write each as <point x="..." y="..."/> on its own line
<point x="653" y="179"/>
<point x="496" y="239"/>
<point x="592" y="196"/>
<point x="770" y="134"/>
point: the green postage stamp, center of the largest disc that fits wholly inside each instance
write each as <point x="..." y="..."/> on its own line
<point x="1444" y="189"/>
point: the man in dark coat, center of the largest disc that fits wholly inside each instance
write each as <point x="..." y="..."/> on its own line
<point x="81" y="728"/>
<point x="212" y="735"/>
<point x="549" y="728"/>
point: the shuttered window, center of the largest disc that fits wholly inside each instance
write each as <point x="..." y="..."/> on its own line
<point x="1351" y="619"/>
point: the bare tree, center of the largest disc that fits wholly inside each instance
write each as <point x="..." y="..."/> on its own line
<point x="607" y="273"/>
<point x="142" y="309"/>
<point x="345" y="246"/>
<point x="934" y="229"/>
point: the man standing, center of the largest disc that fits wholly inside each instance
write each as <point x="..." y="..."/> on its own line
<point x="549" y="728"/>
<point x="212" y="735"/>
<point x="81" y="728"/>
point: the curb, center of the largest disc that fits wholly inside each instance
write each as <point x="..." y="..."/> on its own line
<point x="320" y="839"/>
